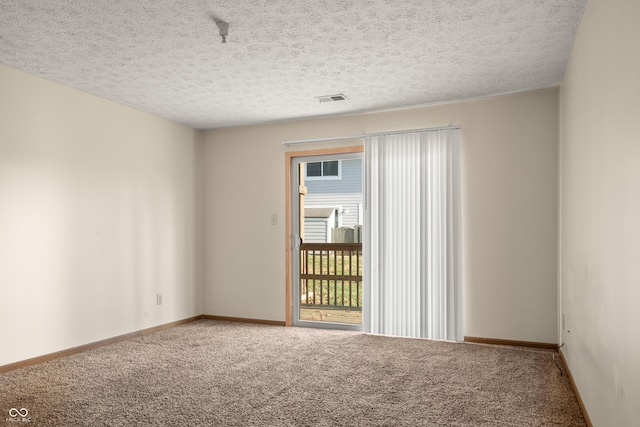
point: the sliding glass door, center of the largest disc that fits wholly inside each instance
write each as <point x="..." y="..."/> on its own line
<point x="327" y="212"/>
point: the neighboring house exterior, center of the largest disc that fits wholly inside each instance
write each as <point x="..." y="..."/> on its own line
<point x="333" y="199"/>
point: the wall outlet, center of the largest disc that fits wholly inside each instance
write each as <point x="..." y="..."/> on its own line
<point x="274" y="219"/>
<point x="159" y="299"/>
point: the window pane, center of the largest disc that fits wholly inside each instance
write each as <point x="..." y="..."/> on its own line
<point x="314" y="169"/>
<point x="330" y="168"/>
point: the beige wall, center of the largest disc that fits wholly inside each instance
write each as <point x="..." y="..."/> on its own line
<point x="509" y="154"/>
<point x="100" y="209"/>
<point x="600" y="212"/>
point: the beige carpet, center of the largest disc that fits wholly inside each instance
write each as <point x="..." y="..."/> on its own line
<point x="209" y="373"/>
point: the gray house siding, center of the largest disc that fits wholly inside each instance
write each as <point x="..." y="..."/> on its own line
<point x="318" y="223"/>
<point x="350" y="182"/>
<point x="315" y="230"/>
<point x="344" y="194"/>
<point x="348" y="202"/>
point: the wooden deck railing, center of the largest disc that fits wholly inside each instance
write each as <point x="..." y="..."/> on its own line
<point x="331" y="275"/>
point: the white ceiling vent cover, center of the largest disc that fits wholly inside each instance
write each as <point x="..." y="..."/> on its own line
<point x="332" y="98"/>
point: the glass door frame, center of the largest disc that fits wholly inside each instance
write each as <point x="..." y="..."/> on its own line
<point x="293" y="160"/>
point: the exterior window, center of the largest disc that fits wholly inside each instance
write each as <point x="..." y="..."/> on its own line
<point x="331" y="169"/>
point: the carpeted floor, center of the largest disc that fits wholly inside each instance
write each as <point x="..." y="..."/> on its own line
<point x="210" y="373"/>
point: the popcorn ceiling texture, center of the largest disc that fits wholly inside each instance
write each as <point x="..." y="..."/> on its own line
<point x="165" y="57"/>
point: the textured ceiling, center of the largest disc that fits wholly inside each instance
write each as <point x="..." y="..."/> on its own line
<point x="165" y="56"/>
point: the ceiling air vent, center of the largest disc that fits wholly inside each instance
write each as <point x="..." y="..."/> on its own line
<point x="331" y="98"/>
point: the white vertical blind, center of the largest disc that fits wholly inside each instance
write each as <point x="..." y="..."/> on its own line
<point x="412" y="278"/>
